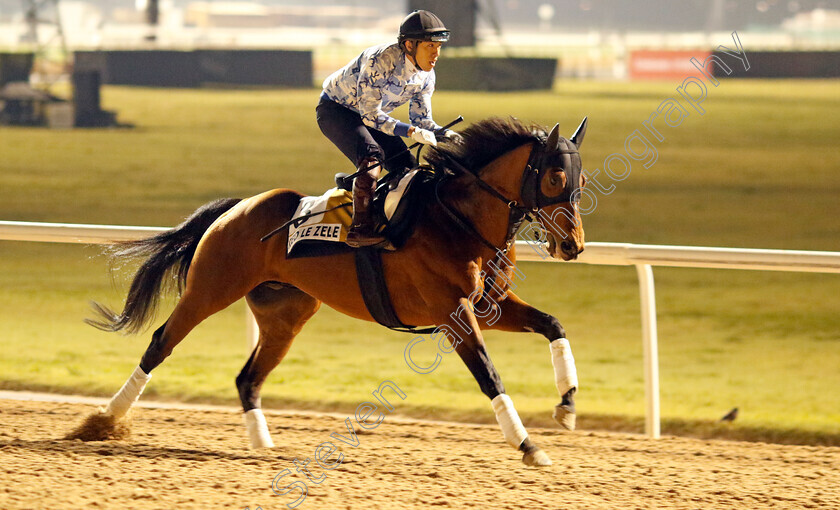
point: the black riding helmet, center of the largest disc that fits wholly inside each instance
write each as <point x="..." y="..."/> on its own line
<point x="423" y="26"/>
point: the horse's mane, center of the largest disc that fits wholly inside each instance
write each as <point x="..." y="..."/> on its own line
<point x="483" y="142"/>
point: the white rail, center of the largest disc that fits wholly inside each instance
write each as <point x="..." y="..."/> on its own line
<point x="616" y="254"/>
<point x="72" y="232"/>
<point x="97" y="234"/>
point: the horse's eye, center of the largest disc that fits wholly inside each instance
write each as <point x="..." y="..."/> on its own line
<point x="556" y="173"/>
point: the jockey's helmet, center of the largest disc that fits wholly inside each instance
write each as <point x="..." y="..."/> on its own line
<point x="423" y="26"/>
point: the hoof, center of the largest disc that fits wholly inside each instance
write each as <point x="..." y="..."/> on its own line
<point x="565" y="416"/>
<point x="536" y="457"/>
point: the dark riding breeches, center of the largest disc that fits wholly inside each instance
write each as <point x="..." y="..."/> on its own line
<point x="345" y="129"/>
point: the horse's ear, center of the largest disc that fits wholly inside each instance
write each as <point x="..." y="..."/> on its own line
<point x="553" y="137"/>
<point x="577" y="138"/>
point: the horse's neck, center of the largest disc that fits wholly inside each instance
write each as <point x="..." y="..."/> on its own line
<point x="505" y="172"/>
<point x="488" y="214"/>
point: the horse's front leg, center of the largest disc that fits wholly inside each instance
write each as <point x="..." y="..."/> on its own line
<point x="464" y="334"/>
<point x="514" y="314"/>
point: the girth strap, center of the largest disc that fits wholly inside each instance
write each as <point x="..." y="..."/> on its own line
<point x="374" y="289"/>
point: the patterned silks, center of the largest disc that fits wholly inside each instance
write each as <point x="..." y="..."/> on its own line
<point x="378" y="81"/>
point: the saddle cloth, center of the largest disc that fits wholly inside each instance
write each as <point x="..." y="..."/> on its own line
<point x="324" y="233"/>
<point x="322" y="227"/>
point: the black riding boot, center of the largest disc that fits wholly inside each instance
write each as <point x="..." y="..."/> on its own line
<point x="363" y="230"/>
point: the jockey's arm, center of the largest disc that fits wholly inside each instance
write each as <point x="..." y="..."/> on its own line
<point x="420" y="113"/>
<point x="369" y="91"/>
<point x="420" y="107"/>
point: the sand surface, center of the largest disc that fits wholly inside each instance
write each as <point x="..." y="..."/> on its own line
<point x="199" y="459"/>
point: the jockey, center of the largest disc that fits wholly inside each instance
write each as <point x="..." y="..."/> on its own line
<point x="354" y="106"/>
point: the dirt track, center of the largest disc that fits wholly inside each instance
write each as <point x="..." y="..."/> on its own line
<point x="199" y="460"/>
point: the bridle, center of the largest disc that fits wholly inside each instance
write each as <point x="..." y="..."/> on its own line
<point x="547" y="154"/>
<point x="552" y="152"/>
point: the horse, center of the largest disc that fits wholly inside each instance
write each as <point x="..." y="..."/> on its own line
<point x="452" y="272"/>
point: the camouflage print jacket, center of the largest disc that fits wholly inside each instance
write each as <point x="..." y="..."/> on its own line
<point x="378" y="81"/>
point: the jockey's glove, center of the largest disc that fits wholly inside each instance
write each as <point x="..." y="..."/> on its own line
<point x="424" y="136"/>
<point x="453" y="136"/>
<point x="447" y="135"/>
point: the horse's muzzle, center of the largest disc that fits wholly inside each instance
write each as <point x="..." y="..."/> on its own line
<point x="569" y="249"/>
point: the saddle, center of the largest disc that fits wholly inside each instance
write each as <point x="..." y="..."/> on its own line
<point x="320" y="223"/>
<point x="400" y="206"/>
<point x="319" y="227"/>
<point x="400" y="203"/>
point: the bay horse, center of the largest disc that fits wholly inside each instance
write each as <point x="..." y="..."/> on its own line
<point x="500" y="172"/>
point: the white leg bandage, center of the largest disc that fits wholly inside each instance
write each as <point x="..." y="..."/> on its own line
<point x="128" y="394"/>
<point x="257" y="429"/>
<point x="565" y="373"/>
<point x="509" y="420"/>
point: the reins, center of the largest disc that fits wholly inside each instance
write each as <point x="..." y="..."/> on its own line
<point x="407" y="149"/>
<point x="531" y="196"/>
<point x="518" y="212"/>
<point x="460" y="219"/>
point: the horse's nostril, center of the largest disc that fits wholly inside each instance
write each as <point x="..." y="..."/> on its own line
<point x="566" y="246"/>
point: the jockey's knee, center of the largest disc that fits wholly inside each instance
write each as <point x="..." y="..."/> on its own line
<point x="370" y="151"/>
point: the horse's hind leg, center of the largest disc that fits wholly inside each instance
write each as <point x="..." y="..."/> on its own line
<point x="217" y="279"/>
<point x="188" y="313"/>
<point x="192" y="308"/>
<point x="281" y="311"/>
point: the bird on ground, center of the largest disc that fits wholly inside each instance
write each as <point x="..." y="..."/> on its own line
<point x="731" y="415"/>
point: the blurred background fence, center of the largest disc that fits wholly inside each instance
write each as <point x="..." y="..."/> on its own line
<point x="587" y="38"/>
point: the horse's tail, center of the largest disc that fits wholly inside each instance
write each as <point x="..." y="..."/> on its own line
<point x="168" y="255"/>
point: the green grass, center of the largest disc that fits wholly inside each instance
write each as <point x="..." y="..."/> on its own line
<point x="758" y="169"/>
